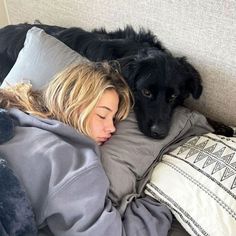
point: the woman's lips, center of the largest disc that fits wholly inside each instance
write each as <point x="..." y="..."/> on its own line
<point x="104" y="139"/>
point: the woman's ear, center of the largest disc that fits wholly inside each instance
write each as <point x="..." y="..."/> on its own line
<point x="193" y="78"/>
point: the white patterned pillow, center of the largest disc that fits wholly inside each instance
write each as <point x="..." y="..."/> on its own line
<point x="197" y="181"/>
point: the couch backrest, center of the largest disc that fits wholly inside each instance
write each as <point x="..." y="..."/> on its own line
<point x="204" y="31"/>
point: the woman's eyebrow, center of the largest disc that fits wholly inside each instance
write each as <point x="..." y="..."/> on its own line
<point x="105" y="108"/>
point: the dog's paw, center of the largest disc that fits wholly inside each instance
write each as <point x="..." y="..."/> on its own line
<point x="222" y="129"/>
<point x="234" y="129"/>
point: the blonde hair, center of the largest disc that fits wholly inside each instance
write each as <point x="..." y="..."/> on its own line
<point x="71" y="96"/>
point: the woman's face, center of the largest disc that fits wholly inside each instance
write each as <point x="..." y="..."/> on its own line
<point x="101" y="119"/>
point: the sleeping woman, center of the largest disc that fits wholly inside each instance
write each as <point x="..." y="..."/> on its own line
<point x="55" y="155"/>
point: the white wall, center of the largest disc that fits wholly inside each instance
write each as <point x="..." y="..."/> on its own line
<point x="3" y="14"/>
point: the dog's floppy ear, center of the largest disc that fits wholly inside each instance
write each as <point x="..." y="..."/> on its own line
<point x="129" y="70"/>
<point x="193" y="78"/>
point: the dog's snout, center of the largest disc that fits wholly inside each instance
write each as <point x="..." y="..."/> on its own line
<point x="158" y="131"/>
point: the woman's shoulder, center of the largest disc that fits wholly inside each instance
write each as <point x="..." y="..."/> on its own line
<point x="51" y="153"/>
<point x="45" y="144"/>
<point x="52" y="126"/>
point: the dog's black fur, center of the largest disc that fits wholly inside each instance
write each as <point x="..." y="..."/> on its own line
<point x="159" y="81"/>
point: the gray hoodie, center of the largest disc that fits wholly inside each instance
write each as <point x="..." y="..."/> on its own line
<point x="67" y="186"/>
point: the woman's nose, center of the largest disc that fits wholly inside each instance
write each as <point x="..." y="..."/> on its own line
<point x="111" y="127"/>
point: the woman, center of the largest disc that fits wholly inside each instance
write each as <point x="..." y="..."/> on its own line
<point x="73" y="97"/>
<point x="54" y="155"/>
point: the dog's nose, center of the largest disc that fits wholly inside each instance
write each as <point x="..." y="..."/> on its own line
<point x="158" y="132"/>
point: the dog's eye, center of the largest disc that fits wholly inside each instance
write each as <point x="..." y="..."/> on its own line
<point x="172" y="98"/>
<point x="147" y="93"/>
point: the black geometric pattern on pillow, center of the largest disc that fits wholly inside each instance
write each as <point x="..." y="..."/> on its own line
<point x="214" y="157"/>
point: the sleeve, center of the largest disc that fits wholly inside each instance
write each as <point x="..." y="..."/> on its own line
<point x="146" y="216"/>
<point x="81" y="208"/>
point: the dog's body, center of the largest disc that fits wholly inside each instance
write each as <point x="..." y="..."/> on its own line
<point x="97" y="45"/>
<point x="158" y="80"/>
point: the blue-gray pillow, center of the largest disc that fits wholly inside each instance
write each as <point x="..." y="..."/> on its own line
<point x="40" y="59"/>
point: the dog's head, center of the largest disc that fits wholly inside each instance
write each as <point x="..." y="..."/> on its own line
<point x="159" y="82"/>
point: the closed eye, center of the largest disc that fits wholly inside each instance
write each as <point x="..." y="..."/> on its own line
<point x="102" y="117"/>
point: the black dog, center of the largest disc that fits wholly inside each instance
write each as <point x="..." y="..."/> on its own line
<point x="158" y="80"/>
